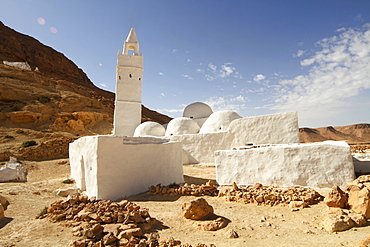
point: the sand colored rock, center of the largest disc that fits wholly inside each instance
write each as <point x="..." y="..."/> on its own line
<point x="359" y="201"/>
<point x="196" y="209"/>
<point x="13" y="172"/>
<point x="1" y="211"/>
<point x="336" y="198"/>
<point x="337" y="223"/>
<point x="211" y="225"/>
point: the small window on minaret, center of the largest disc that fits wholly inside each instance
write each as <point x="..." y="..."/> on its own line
<point x="139" y="79"/>
<point x="130" y="75"/>
<point x="119" y="77"/>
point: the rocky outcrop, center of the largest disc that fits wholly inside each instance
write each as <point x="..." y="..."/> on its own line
<point x="13" y="172"/>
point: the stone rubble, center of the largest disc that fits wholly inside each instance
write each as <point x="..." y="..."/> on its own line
<point x="107" y="223"/>
<point x="294" y="197"/>
<point x="207" y="189"/>
<point x="348" y="207"/>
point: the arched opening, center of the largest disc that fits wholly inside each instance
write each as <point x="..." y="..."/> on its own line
<point x="130" y="75"/>
<point x="119" y="77"/>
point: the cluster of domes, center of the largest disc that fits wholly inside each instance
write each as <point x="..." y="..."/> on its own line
<point x="197" y="118"/>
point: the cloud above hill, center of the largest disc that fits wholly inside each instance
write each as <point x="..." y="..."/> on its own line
<point x="338" y="71"/>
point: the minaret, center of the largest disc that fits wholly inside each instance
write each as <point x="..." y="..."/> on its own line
<point x="129" y="72"/>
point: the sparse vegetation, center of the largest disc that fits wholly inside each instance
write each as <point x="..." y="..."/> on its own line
<point x="42" y="213"/>
<point x="68" y="181"/>
<point x="9" y="137"/>
<point x="29" y="143"/>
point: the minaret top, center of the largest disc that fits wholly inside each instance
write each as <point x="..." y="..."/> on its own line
<point x="131" y="43"/>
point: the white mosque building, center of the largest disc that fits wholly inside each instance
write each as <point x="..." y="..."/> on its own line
<point x="244" y="150"/>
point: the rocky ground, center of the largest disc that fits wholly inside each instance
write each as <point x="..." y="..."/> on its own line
<point x="254" y="225"/>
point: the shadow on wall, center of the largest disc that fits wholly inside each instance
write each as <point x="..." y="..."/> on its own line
<point x="361" y="167"/>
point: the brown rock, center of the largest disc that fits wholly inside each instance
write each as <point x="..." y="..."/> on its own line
<point x="337" y="223"/>
<point x="211" y="225"/>
<point x="232" y="234"/>
<point x="359" y="201"/>
<point x="1" y="211"/>
<point x="365" y="243"/>
<point x="196" y="209"/>
<point x="297" y="204"/>
<point x="109" y="239"/>
<point x="358" y="219"/>
<point x="128" y="233"/>
<point x="4" y="201"/>
<point x="336" y="198"/>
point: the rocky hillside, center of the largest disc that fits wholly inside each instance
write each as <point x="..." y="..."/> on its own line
<point x="357" y="133"/>
<point x="45" y="94"/>
<point x="53" y="93"/>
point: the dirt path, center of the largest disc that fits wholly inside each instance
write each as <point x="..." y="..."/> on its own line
<point x="255" y="225"/>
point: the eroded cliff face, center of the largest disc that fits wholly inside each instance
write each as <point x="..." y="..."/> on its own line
<point x="51" y="95"/>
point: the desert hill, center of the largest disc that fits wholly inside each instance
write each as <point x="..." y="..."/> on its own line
<point x="45" y="97"/>
<point x="356" y="133"/>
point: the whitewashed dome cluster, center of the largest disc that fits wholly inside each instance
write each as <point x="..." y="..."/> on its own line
<point x="197" y="118"/>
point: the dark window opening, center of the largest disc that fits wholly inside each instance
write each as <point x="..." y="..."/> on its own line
<point x="191" y="117"/>
<point x="119" y="77"/>
<point x="139" y="79"/>
<point x="219" y="128"/>
<point x="130" y="75"/>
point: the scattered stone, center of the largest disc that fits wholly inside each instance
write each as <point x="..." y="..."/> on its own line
<point x="68" y="191"/>
<point x="13" y="172"/>
<point x="358" y="219"/>
<point x="337" y="223"/>
<point x="270" y="195"/>
<point x="211" y="225"/>
<point x="297" y="204"/>
<point x="336" y="198"/>
<point x="207" y="189"/>
<point x="232" y="234"/>
<point x="197" y="209"/>
<point x="365" y="243"/>
<point x="4" y="202"/>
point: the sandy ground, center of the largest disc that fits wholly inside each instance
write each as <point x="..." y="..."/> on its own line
<point x="255" y="225"/>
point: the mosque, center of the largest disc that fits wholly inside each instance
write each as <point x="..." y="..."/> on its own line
<point x="245" y="150"/>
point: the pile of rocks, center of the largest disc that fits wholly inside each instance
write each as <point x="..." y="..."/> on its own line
<point x="107" y="223"/>
<point x="208" y="189"/>
<point x="348" y="207"/>
<point x="295" y="197"/>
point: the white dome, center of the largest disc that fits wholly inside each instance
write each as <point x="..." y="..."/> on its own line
<point x="219" y="121"/>
<point x="181" y="126"/>
<point x="149" y="129"/>
<point x="198" y="111"/>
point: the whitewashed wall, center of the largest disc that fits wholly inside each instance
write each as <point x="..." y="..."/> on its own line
<point x="316" y="165"/>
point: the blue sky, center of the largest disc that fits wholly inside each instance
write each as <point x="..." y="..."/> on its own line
<point x="253" y="57"/>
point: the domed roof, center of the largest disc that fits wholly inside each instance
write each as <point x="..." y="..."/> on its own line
<point x="149" y="129"/>
<point x="181" y="126"/>
<point x="219" y="121"/>
<point x="197" y="110"/>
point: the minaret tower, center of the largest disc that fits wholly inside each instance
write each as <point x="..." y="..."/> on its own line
<point x="129" y="72"/>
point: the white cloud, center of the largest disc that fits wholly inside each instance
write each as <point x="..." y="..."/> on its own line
<point x="170" y="110"/>
<point x="160" y="73"/>
<point x="339" y="71"/>
<point x="227" y="103"/>
<point x="103" y="84"/>
<point x="259" y="77"/>
<point x="299" y="53"/>
<point x="212" y="67"/>
<point x="226" y="70"/>
<point x="162" y="94"/>
<point x="188" y="60"/>
<point x="188" y="76"/>
<point x="174" y="51"/>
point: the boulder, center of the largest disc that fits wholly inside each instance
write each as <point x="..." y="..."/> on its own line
<point x="197" y="209"/>
<point x="359" y="201"/>
<point x="336" y="198"/>
<point x="1" y="211"/>
<point x="3" y="201"/>
<point x="211" y="225"/>
<point x="337" y="223"/>
<point x="13" y="172"/>
<point x="358" y="219"/>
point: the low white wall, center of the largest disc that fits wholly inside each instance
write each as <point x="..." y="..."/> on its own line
<point x="316" y="165"/>
<point x="280" y="128"/>
<point x="273" y="129"/>
<point x="125" y="166"/>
